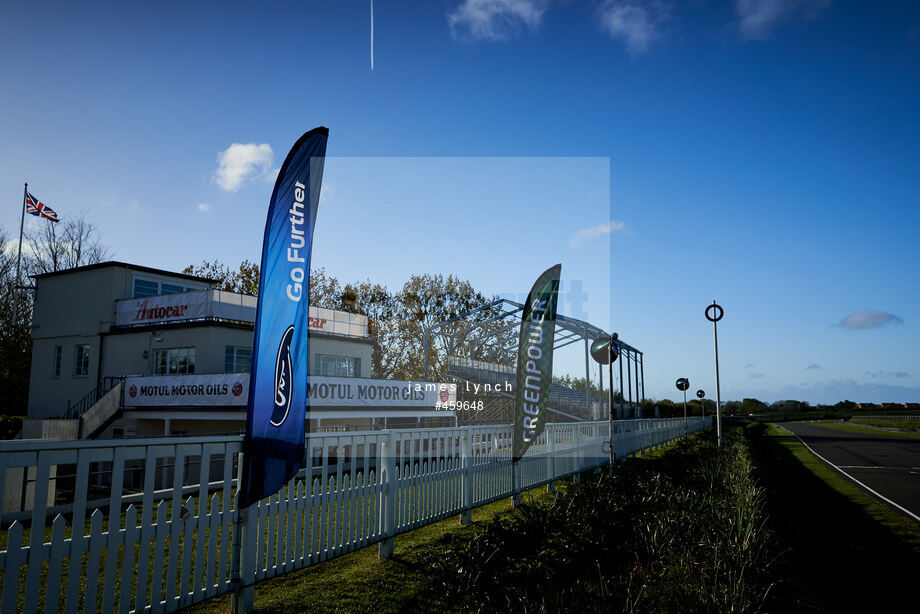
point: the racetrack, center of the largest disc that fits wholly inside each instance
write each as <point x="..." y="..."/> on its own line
<point x="890" y="466"/>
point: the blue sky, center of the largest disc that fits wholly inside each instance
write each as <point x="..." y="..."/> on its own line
<point x="760" y="153"/>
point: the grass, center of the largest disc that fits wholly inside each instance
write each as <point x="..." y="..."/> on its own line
<point x="681" y="532"/>
<point x="869" y="430"/>
<point x="911" y="425"/>
<point x="845" y="551"/>
<point x="672" y="530"/>
<point x="360" y="582"/>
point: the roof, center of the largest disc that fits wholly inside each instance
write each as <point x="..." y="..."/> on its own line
<point x="126" y="265"/>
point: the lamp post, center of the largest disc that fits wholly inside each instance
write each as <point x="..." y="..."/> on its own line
<point x="700" y="395"/>
<point x="717" y="313"/>
<point x="683" y="384"/>
<point x="605" y="351"/>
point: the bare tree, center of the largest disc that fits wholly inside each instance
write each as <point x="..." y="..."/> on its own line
<point x="70" y="243"/>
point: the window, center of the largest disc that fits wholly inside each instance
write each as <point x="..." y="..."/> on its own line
<point x="174" y="361"/>
<point x="123" y="432"/>
<point x="56" y="361"/>
<point x="237" y="359"/>
<point x="81" y="360"/>
<point x="143" y="287"/>
<point x="148" y="287"/>
<point x="339" y="366"/>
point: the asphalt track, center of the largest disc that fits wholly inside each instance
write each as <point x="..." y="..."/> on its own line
<point x="888" y="465"/>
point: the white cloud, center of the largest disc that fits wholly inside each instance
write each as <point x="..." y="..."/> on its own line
<point x="586" y="234"/>
<point x="240" y="163"/>
<point x="757" y="18"/>
<point x="869" y="318"/>
<point x="204" y="208"/>
<point x="495" y="19"/>
<point x="635" y="24"/>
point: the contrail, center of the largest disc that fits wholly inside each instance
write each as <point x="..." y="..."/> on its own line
<point x="372" y="34"/>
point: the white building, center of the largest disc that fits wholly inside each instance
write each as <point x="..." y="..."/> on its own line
<point x="121" y="350"/>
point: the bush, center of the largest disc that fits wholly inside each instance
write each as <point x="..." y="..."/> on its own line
<point x="684" y="532"/>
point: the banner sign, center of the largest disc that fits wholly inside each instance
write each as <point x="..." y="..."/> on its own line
<point x="220" y="390"/>
<point x="227" y="306"/>
<point x="164" y="308"/>
<point x="232" y="390"/>
<point x="361" y="392"/>
<point x="535" y="361"/>
<point x="275" y="413"/>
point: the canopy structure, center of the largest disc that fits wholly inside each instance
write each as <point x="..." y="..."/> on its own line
<point x="480" y="347"/>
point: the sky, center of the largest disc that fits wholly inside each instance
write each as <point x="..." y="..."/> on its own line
<point x="761" y="154"/>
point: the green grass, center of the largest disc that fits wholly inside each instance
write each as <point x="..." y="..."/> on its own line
<point x="868" y="430"/>
<point x="844" y="551"/>
<point x="360" y="582"/>
<point x="912" y="425"/>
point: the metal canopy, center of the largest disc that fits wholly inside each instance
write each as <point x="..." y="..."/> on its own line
<point x="490" y="334"/>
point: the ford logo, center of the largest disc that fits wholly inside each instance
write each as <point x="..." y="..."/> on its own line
<point x="284" y="379"/>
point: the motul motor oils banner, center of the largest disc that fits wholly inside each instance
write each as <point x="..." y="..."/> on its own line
<point x="220" y="390"/>
<point x="232" y="390"/>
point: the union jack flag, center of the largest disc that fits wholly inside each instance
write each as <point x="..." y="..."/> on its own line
<point x="40" y="209"/>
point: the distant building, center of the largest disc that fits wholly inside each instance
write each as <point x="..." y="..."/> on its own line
<point x="121" y="350"/>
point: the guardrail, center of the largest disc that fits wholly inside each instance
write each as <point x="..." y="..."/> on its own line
<point x="166" y="549"/>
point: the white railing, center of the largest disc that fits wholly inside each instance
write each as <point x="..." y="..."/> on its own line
<point x="152" y="524"/>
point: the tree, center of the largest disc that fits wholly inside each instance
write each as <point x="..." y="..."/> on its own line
<point x="15" y="335"/>
<point x="396" y="322"/>
<point x="426" y="300"/>
<point x="752" y="406"/>
<point x="70" y="243"/>
<point x="244" y="280"/>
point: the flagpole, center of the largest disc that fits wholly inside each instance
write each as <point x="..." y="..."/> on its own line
<point x="22" y="221"/>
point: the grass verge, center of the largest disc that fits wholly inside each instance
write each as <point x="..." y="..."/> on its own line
<point x="360" y="582"/>
<point x="632" y="541"/>
<point x="680" y="533"/>
<point x="870" y="430"/>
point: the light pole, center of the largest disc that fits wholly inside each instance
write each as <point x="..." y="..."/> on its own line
<point x="700" y="395"/>
<point x="717" y="313"/>
<point x="605" y="351"/>
<point x="683" y="384"/>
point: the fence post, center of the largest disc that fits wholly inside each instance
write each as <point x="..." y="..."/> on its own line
<point x="517" y="479"/>
<point x="578" y="454"/>
<point x="388" y="496"/>
<point x="466" y="475"/>
<point x="244" y="541"/>
<point x="550" y="458"/>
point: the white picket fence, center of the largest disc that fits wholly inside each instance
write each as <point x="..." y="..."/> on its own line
<point x="145" y="548"/>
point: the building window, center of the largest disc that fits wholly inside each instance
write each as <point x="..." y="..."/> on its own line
<point x="81" y="360"/>
<point x="143" y="287"/>
<point x="170" y="289"/>
<point x="174" y="361"/>
<point x="123" y="432"/>
<point x="56" y="361"/>
<point x="237" y="359"/>
<point x="338" y="366"/>
<point x="148" y="287"/>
